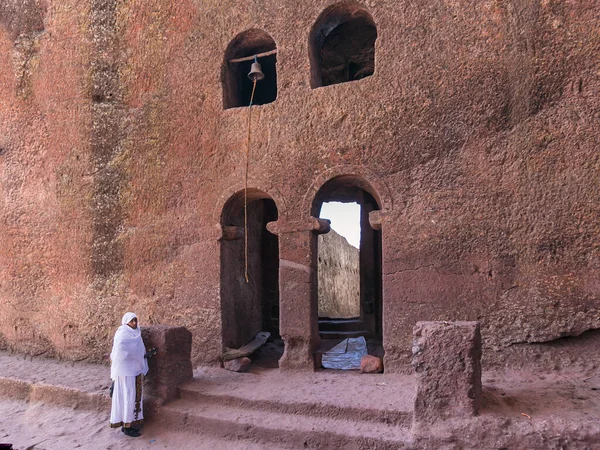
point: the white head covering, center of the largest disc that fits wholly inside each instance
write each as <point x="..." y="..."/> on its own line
<point x="128" y="317"/>
<point x="128" y="350"/>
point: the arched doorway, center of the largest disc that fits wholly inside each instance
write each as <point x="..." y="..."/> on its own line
<point x="369" y="314"/>
<point x="249" y="307"/>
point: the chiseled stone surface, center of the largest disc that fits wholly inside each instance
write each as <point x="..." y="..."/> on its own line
<point x="478" y="134"/>
<point x="172" y="364"/>
<point x="447" y="363"/>
<point x="339" y="277"/>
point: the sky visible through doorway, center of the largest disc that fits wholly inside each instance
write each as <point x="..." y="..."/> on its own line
<point x="345" y="220"/>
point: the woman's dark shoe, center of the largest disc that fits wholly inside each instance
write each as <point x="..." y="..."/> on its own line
<point x="131" y="432"/>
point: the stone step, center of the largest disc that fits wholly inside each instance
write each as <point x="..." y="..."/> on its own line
<point x="342" y="334"/>
<point x="194" y="392"/>
<point x="292" y="429"/>
<point x="25" y="390"/>
<point x="354" y="324"/>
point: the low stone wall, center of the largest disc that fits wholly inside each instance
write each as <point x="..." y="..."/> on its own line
<point x="172" y="364"/>
<point x="447" y="364"/>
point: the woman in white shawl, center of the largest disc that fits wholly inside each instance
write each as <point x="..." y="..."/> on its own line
<point x="128" y="366"/>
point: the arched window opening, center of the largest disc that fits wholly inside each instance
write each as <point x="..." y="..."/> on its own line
<point x="237" y="87"/>
<point x="248" y="308"/>
<point x="361" y="280"/>
<point x="342" y="45"/>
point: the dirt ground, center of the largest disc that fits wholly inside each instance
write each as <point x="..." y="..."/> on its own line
<point x="526" y="397"/>
<point x="39" y="426"/>
<point x="45" y="425"/>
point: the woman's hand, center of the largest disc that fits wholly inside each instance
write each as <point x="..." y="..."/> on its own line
<point x="150" y="353"/>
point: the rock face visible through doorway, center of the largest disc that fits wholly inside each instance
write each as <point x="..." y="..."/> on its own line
<point x="339" y="277"/>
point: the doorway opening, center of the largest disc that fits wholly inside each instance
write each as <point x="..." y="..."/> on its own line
<point x="248" y="308"/>
<point x="338" y="262"/>
<point x="349" y="278"/>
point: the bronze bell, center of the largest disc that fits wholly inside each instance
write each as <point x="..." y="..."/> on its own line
<point x="256" y="72"/>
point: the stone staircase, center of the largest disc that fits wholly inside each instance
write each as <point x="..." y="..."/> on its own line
<point x="290" y="423"/>
<point x="330" y="329"/>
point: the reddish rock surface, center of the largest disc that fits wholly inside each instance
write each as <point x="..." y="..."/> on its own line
<point x="171" y="365"/>
<point x="477" y="136"/>
<point x="447" y="363"/>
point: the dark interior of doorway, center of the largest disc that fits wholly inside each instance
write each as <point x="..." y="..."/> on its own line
<point x="250" y="307"/>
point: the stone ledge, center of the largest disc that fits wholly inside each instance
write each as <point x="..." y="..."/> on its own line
<point x="67" y="397"/>
<point x="57" y="395"/>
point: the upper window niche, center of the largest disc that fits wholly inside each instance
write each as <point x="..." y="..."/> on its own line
<point x="342" y="45"/>
<point x="239" y="56"/>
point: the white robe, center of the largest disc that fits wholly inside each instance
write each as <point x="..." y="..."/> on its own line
<point x="127" y="407"/>
<point x="128" y="366"/>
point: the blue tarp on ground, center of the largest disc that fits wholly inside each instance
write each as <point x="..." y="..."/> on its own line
<point x="346" y="355"/>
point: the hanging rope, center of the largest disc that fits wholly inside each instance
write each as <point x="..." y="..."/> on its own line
<point x="246" y="181"/>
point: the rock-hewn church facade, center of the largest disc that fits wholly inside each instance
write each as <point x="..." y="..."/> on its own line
<point x="469" y="133"/>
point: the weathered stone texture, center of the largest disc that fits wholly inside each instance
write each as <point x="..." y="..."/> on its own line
<point x="479" y="128"/>
<point x="339" y="277"/>
<point x="447" y="363"/>
<point x="22" y="17"/>
<point x="45" y="183"/>
<point x="297" y="276"/>
<point x="172" y="364"/>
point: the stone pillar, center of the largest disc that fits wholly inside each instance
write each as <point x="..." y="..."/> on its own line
<point x="298" y="301"/>
<point x="447" y="361"/>
<point x="370" y="271"/>
<point x="391" y="335"/>
<point x="172" y="365"/>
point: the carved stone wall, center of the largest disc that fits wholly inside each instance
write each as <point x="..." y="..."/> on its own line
<point x="480" y="119"/>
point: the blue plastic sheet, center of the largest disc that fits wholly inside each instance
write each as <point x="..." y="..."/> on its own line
<point x="346" y="355"/>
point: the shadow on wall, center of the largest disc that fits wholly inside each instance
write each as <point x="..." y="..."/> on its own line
<point x="3" y="342"/>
